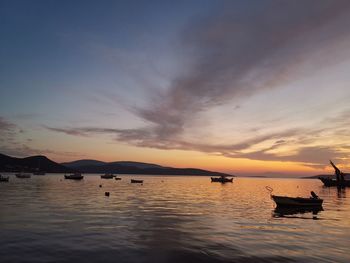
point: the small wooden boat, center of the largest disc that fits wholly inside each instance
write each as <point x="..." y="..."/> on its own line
<point x="117" y="178"/>
<point x="107" y="176"/>
<point x="134" y="181"/>
<point x="75" y="176"/>
<point x="295" y="202"/>
<point x="4" y="178"/>
<point x="23" y="175"/>
<point x="221" y="180"/>
<point x="285" y="201"/>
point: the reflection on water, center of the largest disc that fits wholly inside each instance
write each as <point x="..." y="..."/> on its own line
<point x="168" y="219"/>
<point x="295" y="211"/>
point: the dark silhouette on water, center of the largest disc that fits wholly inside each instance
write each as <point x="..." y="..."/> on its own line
<point x="340" y="180"/>
<point x="222" y="179"/>
<point x="75" y="176"/>
<point x="107" y="176"/>
<point x="296" y="202"/>
<point x="135" y="181"/>
<point x="290" y="211"/>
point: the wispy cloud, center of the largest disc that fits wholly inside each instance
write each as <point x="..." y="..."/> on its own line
<point x="237" y="52"/>
<point x="301" y="145"/>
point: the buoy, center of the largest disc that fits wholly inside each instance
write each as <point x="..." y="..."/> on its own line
<point x="106" y="193"/>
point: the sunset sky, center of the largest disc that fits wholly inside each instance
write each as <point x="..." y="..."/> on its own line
<point x="245" y="87"/>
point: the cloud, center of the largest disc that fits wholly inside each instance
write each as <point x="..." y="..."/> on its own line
<point x="292" y="145"/>
<point x="6" y="126"/>
<point x="239" y="52"/>
<point x="234" y="53"/>
<point x="8" y="131"/>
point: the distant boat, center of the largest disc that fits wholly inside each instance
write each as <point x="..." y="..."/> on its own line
<point x="107" y="176"/>
<point x="221" y="179"/>
<point x="4" y="178"/>
<point x="134" y="181"/>
<point x="117" y="178"/>
<point x="23" y="175"/>
<point x="329" y="182"/>
<point x="339" y="181"/>
<point x="75" y="176"/>
<point x="285" y="201"/>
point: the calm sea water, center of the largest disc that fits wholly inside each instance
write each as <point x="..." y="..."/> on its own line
<point x="168" y="219"/>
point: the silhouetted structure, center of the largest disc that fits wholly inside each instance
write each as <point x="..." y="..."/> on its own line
<point x="340" y="180"/>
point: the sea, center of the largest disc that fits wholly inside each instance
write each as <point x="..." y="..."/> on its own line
<point x="169" y="219"/>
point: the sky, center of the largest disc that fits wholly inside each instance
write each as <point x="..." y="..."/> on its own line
<point x="244" y="87"/>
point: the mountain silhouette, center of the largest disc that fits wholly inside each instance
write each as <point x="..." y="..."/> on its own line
<point x="129" y="167"/>
<point x="31" y="164"/>
<point x="42" y="163"/>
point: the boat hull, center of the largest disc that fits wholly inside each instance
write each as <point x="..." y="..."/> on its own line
<point x="284" y="201"/>
<point x="328" y="182"/>
<point x="107" y="176"/>
<point x="133" y="181"/>
<point x="221" y="180"/>
<point x="73" y="177"/>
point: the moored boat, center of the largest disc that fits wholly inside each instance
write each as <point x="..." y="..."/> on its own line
<point x="339" y="180"/>
<point x="286" y="201"/>
<point x="4" y="178"/>
<point x="221" y="179"/>
<point x="329" y="182"/>
<point x="117" y="178"/>
<point x="134" y="181"/>
<point x="107" y="176"/>
<point x="23" y="175"/>
<point x="75" y="176"/>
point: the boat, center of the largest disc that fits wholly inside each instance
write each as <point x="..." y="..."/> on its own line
<point x="295" y="202"/>
<point x="286" y="201"/>
<point x="117" y="178"/>
<point x="107" y="176"/>
<point x="329" y="182"/>
<point x="221" y="179"/>
<point x="4" y="178"/>
<point x="134" y="181"/>
<point x="23" y="175"/>
<point x="75" y="176"/>
<point x="339" y="181"/>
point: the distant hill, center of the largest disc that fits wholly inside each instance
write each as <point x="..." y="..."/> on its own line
<point x="129" y="167"/>
<point x="42" y="163"/>
<point x="85" y="162"/>
<point x="31" y="164"/>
